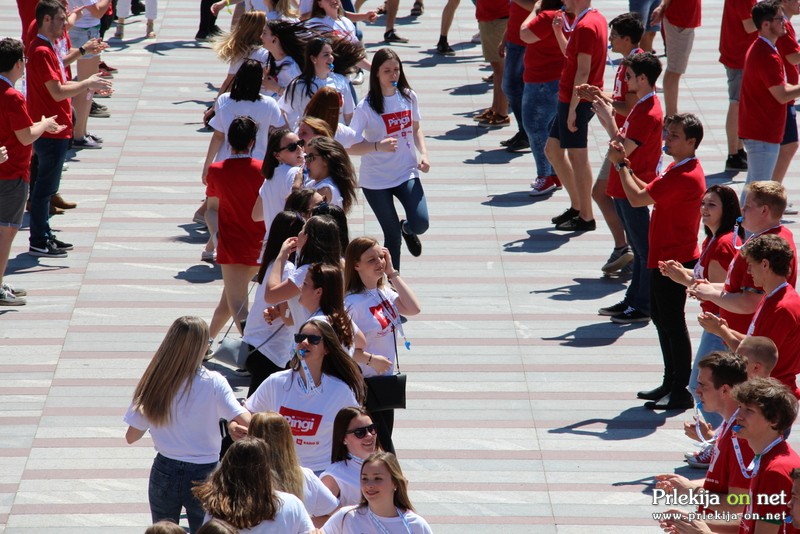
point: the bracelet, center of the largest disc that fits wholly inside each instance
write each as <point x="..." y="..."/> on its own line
<point x="370" y="359"/>
<point x="376" y="146"/>
<point x="394" y="274"/>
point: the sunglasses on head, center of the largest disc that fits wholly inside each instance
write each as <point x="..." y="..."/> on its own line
<point x="314" y="340"/>
<point x="291" y="147"/>
<point x="362" y="431"/>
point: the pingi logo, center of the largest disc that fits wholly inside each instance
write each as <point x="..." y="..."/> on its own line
<point x="395" y="122"/>
<point x="301" y="423"/>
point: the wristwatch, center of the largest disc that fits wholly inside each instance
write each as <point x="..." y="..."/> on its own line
<point x="82" y="50"/>
<point x="620" y="165"/>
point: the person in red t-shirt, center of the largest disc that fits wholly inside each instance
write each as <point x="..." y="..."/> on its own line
<point x="492" y="18"/>
<point x="674" y="223"/>
<point x="765" y="93"/>
<point x="789" y="49"/>
<point x="585" y="55"/>
<point x="512" y="49"/>
<point x="17" y="134"/>
<point x="640" y="136"/>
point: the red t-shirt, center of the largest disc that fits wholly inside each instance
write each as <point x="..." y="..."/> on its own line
<point x="787" y="44"/>
<point x="643" y="125"/>
<point x="488" y="10"/>
<point x="739" y="280"/>
<point x="14" y="117"/>
<point x="236" y="182"/>
<point x="779" y="319"/>
<point x="44" y="65"/>
<point x="773" y="477"/>
<point x="516" y="16"/>
<point x="733" y="39"/>
<point x="27" y="13"/>
<point x="677" y="193"/>
<point x="683" y="13"/>
<point x="621" y="88"/>
<point x="590" y="36"/>
<point x="723" y="472"/>
<point x="543" y="59"/>
<point x="720" y="250"/>
<point x="761" y="117"/>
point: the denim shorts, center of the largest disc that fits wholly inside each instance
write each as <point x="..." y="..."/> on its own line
<point x="559" y="130"/>
<point x="81" y="36"/>
<point x="13" y="194"/>
<point x="734" y="83"/>
<point x="790" y="131"/>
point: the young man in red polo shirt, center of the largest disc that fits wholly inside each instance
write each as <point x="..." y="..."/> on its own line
<point x="675" y="194"/>
<point x="17" y="134"/>
<point x="567" y="145"/>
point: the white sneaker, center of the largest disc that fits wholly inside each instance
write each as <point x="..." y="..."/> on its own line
<point x="790" y="209"/>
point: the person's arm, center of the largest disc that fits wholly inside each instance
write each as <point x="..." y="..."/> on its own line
<point x="237" y="427"/>
<point x="784" y="93"/>
<point x="381" y="364"/>
<point x="366" y="17"/>
<point x="331" y="484"/>
<point x="525" y="32"/>
<point x="98" y="9"/>
<point x="419" y="142"/>
<point x="676" y="272"/>
<point x="717" y="326"/>
<point x="134" y="434"/>
<point x="635" y="189"/>
<point x="658" y="12"/>
<point x="743" y="303"/>
<point x="406" y="303"/>
<point x="389" y="144"/>
<point x="257" y="214"/>
<point x="217" y="139"/>
<point x="581" y="77"/>
<point x="92" y="46"/>
<point x="749" y="25"/>
<point x="217" y="6"/>
<point x="623" y="107"/>
<point x="26" y="136"/>
<point x="61" y="91"/>
<point x="558" y="22"/>
<point x="277" y="290"/>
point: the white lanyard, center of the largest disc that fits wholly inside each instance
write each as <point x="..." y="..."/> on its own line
<point x="736" y="234"/>
<point x="308" y="386"/>
<point x="752" y="326"/>
<point x="698" y="267"/>
<point x="720" y="431"/>
<point x="391" y="313"/>
<point x="570" y="27"/>
<point x="752" y="470"/>
<point x="381" y="526"/>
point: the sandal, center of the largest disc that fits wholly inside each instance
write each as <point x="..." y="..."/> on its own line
<point x="381" y="10"/>
<point x="486" y="114"/>
<point x="418" y="9"/>
<point x="496" y="121"/>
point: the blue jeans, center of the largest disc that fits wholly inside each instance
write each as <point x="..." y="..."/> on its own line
<point x="412" y="197"/>
<point x="512" y="80"/>
<point x="761" y="160"/>
<point x="52" y="154"/>
<point x="636" y="222"/>
<point x="708" y="343"/>
<point x="645" y="10"/>
<point x="539" y="103"/>
<point x="171" y="483"/>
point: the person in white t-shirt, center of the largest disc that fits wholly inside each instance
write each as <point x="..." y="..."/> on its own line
<point x="285" y="43"/>
<point x="354" y="439"/>
<point x="331" y="172"/>
<point x="278" y="10"/>
<point x="317" y="72"/>
<point x="181" y="403"/>
<point x="283" y="167"/>
<point x="323" y="379"/>
<point x="390" y="110"/>
<point x="329" y="16"/>
<point x="243" y="42"/>
<point x="376" y="307"/>
<point x="301" y="482"/>
<point x="326" y="105"/>
<point x="385" y="506"/>
<point x="241" y="493"/>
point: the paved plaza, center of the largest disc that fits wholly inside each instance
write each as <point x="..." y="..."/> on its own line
<point x="522" y="414"/>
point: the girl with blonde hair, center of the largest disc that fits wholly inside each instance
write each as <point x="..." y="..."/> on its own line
<point x="181" y="403"/>
<point x="242" y="42"/>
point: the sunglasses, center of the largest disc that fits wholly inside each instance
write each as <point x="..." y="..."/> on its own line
<point x="311" y="157"/>
<point x="362" y="431"/>
<point x="314" y="340"/>
<point x="291" y="147"/>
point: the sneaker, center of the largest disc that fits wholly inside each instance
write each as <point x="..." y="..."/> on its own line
<point x="85" y="142"/>
<point x="742" y="154"/>
<point x="620" y="257"/>
<point x="518" y="143"/>
<point x="412" y="241"/>
<point x="208" y="256"/>
<point x="7" y="298"/>
<point x="99" y="106"/>
<point x="630" y="315"/>
<point x="702" y="459"/>
<point x="790" y="209"/>
<point x="511" y="139"/>
<point x="17" y="291"/>
<point x="48" y="250"/>
<point x="97" y="138"/>
<point x="617" y="309"/>
<point x="98" y="112"/>
<point x="568" y="214"/>
<point x="106" y="66"/>
<point x="736" y="163"/>
<point x="576" y="224"/>
<point x="704" y="453"/>
<point x="60" y="245"/>
<point x="392" y="37"/>
<point x="445" y="49"/>
<point x="544" y="185"/>
<point x="476" y="38"/>
<point x="358" y="78"/>
<point x="104" y="73"/>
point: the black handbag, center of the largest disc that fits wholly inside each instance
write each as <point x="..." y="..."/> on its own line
<point x="387" y="392"/>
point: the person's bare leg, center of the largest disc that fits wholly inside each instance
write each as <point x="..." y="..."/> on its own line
<point x="7" y="234"/>
<point x="448" y="14"/>
<point x="221" y="315"/>
<point x="606" y="206"/>
<point x="557" y="157"/>
<point x="391" y="13"/>
<point x="732" y="128"/>
<point x="646" y="42"/>
<point x="81" y="102"/>
<point x="671" y="86"/>
<point x="236" y="277"/>
<point x="499" y="99"/>
<point x="785" y="156"/>
<point x="212" y="221"/>
<point x="582" y="175"/>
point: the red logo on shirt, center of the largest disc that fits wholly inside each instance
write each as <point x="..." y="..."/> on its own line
<point x="302" y="423"/>
<point x="379" y="312"/>
<point x="395" y="122"/>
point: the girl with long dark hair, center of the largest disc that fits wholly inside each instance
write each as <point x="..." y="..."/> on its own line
<point x="331" y="172"/>
<point x="282" y="168"/>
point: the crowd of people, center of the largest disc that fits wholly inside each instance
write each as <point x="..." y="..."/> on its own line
<point x="311" y="446"/>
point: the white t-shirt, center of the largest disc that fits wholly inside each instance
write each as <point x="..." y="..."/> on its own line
<point x="371" y="317"/>
<point x="306" y="6"/>
<point x="291" y="518"/>
<point x="346" y="135"/>
<point x="336" y="195"/>
<point x="193" y="432"/>
<point x="347" y="475"/>
<point x="257" y="330"/>
<point x="86" y="20"/>
<point x="357" y="520"/>
<point x="342" y="27"/>
<point x="384" y="170"/>
<point x="260" y="54"/>
<point x="317" y="498"/>
<point x="288" y="70"/>
<point x="274" y="191"/>
<point x="294" y="99"/>
<point x="263" y="111"/>
<point x="310" y="414"/>
<point x="299" y="314"/>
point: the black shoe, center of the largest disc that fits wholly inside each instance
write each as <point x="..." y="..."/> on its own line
<point x="736" y="163"/>
<point x="742" y="154"/>
<point x="576" y="224"/>
<point x="60" y="245"/>
<point x="631" y="315"/>
<point x="137" y="8"/>
<point x="517" y="143"/>
<point x="654" y="394"/>
<point x="616" y="309"/>
<point x="672" y="401"/>
<point x="392" y="37"/>
<point x="412" y="241"/>
<point x="445" y="49"/>
<point x="46" y="250"/>
<point x="569" y="213"/>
